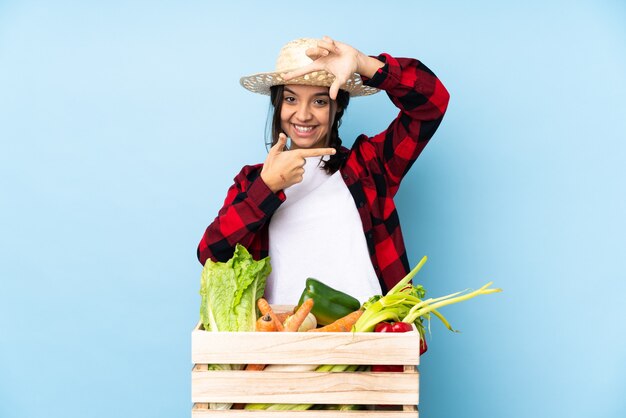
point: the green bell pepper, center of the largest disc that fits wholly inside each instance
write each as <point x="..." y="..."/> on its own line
<point x="329" y="304"/>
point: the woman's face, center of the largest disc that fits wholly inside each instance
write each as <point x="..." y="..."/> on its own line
<point x="304" y="115"/>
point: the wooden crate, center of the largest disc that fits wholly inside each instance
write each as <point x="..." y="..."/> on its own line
<point x="398" y="390"/>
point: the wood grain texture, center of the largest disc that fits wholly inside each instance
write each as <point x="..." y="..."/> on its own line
<point x="201" y="368"/>
<point x="361" y="388"/>
<point x="304" y="348"/>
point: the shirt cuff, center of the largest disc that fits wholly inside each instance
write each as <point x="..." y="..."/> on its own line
<point x="265" y="199"/>
<point x="387" y="76"/>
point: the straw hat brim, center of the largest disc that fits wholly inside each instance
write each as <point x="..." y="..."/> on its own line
<point x="261" y="82"/>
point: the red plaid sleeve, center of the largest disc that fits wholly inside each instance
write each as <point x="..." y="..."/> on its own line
<point x="376" y="165"/>
<point x="249" y="204"/>
<point x="422" y="100"/>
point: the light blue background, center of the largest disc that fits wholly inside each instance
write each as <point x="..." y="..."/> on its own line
<point x="123" y="123"/>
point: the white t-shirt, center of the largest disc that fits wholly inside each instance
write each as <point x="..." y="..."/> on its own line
<point x="317" y="232"/>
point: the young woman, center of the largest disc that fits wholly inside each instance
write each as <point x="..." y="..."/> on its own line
<point x="317" y="208"/>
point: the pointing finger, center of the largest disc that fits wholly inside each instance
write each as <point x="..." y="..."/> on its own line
<point x="316" y="152"/>
<point x="280" y="144"/>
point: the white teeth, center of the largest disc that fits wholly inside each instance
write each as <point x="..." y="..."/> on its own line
<point x="303" y="128"/>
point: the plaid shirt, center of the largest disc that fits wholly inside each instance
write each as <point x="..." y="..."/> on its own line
<point x="372" y="170"/>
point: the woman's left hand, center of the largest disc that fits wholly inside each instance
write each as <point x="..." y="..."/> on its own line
<point x="339" y="59"/>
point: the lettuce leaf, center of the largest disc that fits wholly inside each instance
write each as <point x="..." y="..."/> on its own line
<point x="230" y="291"/>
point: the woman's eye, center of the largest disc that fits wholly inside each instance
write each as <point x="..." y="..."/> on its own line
<point x="321" y="102"/>
<point x="290" y="99"/>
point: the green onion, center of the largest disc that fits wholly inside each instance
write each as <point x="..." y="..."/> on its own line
<point x="404" y="303"/>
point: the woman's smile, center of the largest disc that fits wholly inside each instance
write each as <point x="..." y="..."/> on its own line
<point x="303" y="130"/>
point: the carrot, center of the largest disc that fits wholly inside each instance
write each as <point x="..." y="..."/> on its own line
<point x="295" y="320"/>
<point x="265" y="324"/>
<point x="266" y="309"/>
<point x="282" y="316"/>
<point x="343" y="324"/>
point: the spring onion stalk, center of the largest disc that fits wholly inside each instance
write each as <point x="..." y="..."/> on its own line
<point x="277" y="407"/>
<point x="447" y="300"/>
<point x="406" y="303"/>
<point x="341" y="407"/>
<point x="402" y="283"/>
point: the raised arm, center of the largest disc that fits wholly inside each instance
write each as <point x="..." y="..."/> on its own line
<point x="422" y="100"/>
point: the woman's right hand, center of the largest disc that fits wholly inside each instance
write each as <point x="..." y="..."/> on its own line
<point x="339" y="59"/>
<point x="283" y="169"/>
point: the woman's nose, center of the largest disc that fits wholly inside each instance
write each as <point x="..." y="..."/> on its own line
<point x="303" y="113"/>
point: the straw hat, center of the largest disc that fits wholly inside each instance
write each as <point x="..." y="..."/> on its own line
<point x="293" y="56"/>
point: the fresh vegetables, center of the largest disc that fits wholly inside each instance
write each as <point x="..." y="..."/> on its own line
<point x="266" y="309"/>
<point x="269" y="322"/>
<point x="330" y="304"/>
<point x="229" y="294"/>
<point x="265" y="324"/>
<point x="230" y="291"/>
<point x="282" y="316"/>
<point x="343" y="324"/>
<point x="404" y="303"/>
<point x="400" y="327"/>
<point x="293" y="322"/>
<point x="395" y="327"/>
<point x="309" y="323"/>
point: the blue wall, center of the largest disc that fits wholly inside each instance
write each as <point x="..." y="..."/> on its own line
<point x="122" y="125"/>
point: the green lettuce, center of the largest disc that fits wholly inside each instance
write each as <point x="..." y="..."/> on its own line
<point x="230" y="291"/>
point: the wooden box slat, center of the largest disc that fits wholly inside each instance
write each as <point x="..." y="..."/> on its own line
<point x="361" y="388"/>
<point x="304" y="347"/>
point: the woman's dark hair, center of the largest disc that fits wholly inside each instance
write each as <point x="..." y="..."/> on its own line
<point x="332" y="140"/>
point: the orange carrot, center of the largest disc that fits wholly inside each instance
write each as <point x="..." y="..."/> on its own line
<point x="343" y="324"/>
<point x="266" y="309"/>
<point x="265" y="324"/>
<point x="282" y="316"/>
<point x="298" y="318"/>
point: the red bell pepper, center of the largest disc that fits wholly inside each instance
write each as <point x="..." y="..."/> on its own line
<point x="395" y="327"/>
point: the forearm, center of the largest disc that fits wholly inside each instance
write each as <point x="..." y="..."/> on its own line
<point x="422" y="100"/>
<point x="221" y="236"/>
<point x="412" y="87"/>
<point x="248" y="206"/>
<point x="368" y="66"/>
